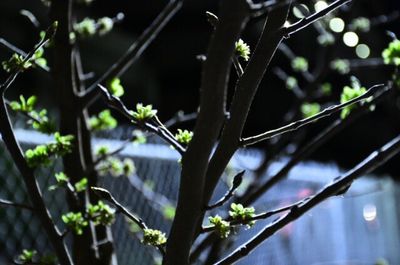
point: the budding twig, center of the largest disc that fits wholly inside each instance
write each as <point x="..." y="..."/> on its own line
<point x="300" y="123"/>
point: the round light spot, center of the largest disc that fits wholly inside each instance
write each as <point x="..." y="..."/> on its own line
<point x="320" y="5"/>
<point x="369" y="212"/>
<point x="350" y="39"/>
<point x="336" y="24"/>
<point x="300" y="11"/>
<point x="363" y="51"/>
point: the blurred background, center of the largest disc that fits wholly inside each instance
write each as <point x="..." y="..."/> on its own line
<point x="168" y="76"/>
<point x="168" y="73"/>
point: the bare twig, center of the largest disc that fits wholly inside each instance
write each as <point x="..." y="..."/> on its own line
<point x="237" y="180"/>
<point x="180" y="117"/>
<point x="300" y="123"/>
<point x="296" y="27"/>
<point x="284" y="76"/>
<point x="15" y="204"/>
<point x="337" y="187"/>
<point x="260" y="9"/>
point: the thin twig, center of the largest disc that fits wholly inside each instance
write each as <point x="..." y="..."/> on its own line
<point x="338" y="186"/>
<point x="256" y="217"/>
<point x="15" y="204"/>
<point x="106" y="195"/>
<point x="300" y="123"/>
<point x="284" y="76"/>
<point x="260" y="9"/>
<point x="310" y="147"/>
<point x="180" y="117"/>
<point x="291" y="56"/>
<point x="237" y="180"/>
<point x="49" y="34"/>
<point x="162" y="131"/>
<point x="296" y="27"/>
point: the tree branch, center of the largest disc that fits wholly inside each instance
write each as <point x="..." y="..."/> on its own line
<point x="15" y="204"/>
<point x="288" y="31"/>
<point x="256" y="217"/>
<point x="300" y="123"/>
<point x="237" y="180"/>
<point x="14" y="148"/>
<point x="234" y="15"/>
<point x="338" y="186"/>
<point x="245" y="90"/>
<point x="49" y="34"/>
<point x="310" y="147"/>
<point x="106" y="195"/>
<point x="159" y="129"/>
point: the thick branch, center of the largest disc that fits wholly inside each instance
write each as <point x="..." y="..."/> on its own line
<point x="300" y="123"/>
<point x="337" y="186"/>
<point x="244" y="93"/>
<point x="233" y="17"/>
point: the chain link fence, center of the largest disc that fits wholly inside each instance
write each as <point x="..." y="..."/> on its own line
<point x="357" y="229"/>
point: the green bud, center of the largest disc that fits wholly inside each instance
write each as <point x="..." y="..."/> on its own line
<point x="153" y="237"/>
<point x="310" y="109"/>
<point x="242" y="49"/>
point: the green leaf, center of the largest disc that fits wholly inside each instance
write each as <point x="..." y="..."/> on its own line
<point x="350" y="93"/>
<point x="153" y="237"/>
<point x="221" y="227"/>
<point x="143" y="113"/>
<point x="86" y="28"/>
<point x="300" y="64"/>
<point x="184" y="136"/>
<point x="16" y="63"/>
<point x="103" y="121"/>
<point x="81" y="185"/>
<point x="105" y="25"/>
<point x="101" y="213"/>
<point x="310" y="109"/>
<point x="169" y="212"/>
<point x="128" y="167"/>
<point x="75" y="221"/>
<point x="242" y="213"/>
<point x="115" y="87"/>
<point x="391" y="55"/>
<point x="27" y="256"/>
<point x="242" y="49"/>
<point x="291" y="82"/>
<point x="342" y="66"/>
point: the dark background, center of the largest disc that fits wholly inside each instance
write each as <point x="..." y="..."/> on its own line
<point x="168" y="73"/>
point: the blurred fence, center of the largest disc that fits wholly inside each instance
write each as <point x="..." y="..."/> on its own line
<point x="358" y="229"/>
